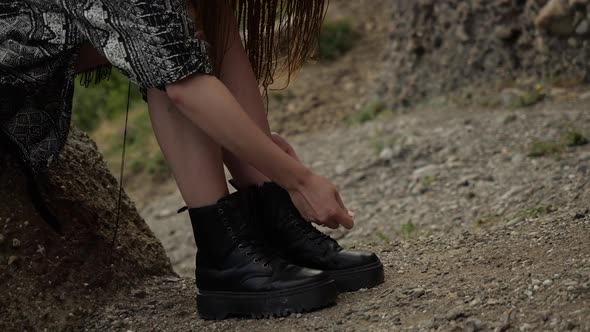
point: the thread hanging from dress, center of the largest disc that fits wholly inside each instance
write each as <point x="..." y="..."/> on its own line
<point x="121" y="172"/>
<point x="96" y="75"/>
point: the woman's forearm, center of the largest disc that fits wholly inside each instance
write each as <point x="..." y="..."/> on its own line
<point x="237" y="75"/>
<point x="212" y="107"/>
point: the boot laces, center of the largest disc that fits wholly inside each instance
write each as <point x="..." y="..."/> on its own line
<point x="247" y="240"/>
<point x="295" y="220"/>
<point x="307" y="229"/>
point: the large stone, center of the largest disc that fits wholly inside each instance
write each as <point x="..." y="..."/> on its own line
<point x="54" y="282"/>
<point x="472" y="49"/>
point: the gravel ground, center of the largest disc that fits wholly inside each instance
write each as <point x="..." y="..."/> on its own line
<point x="475" y="233"/>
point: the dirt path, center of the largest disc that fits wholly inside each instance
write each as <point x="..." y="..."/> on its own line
<point x="475" y="234"/>
<point x="531" y="276"/>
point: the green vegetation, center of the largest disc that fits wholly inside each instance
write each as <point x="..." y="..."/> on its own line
<point x="572" y="138"/>
<point x="427" y="180"/>
<point x="106" y="103"/>
<point x="336" y="38"/>
<point x="369" y="112"/>
<point x="575" y="138"/>
<point x="539" y="148"/>
<point x="408" y="230"/>
<point x="539" y="210"/>
<point x="101" y="102"/>
<point x="486" y="100"/>
<point x="526" y="97"/>
<point x="142" y="152"/>
<point x="530" y="98"/>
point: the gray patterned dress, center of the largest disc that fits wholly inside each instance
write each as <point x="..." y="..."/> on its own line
<point x="150" y="41"/>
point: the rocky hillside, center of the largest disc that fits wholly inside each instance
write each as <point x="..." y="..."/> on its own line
<point x="468" y="51"/>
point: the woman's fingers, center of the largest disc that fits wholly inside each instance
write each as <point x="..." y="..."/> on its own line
<point x="338" y="216"/>
<point x="318" y="201"/>
<point x="335" y="216"/>
<point x="345" y="216"/>
<point x="345" y="220"/>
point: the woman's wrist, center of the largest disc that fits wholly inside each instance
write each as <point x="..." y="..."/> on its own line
<point x="296" y="178"/>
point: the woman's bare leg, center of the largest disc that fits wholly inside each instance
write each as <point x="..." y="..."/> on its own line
<point x="237" y="75"/>
<point x="194" y="158"/>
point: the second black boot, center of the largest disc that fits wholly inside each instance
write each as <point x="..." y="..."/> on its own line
<point x="301" y="243"/>
<point x="238" y="275"/>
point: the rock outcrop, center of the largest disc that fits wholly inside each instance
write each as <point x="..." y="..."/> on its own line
<point x="467" y="49"/>
<point x="52" y="282"/>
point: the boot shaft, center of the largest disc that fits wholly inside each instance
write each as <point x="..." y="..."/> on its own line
<point x="216" y="227"/>
<point x="225" y="231"/>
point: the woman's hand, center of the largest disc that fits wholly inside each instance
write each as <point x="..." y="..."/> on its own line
<point x="318" y="201"/>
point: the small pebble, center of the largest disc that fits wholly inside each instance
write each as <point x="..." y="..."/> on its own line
<point x="418" y="292"/>
<point x="12" y="259"/>
<point x="340" y="169"/>
<point x="15" y="243"/>
<point x="386" y="154"/>
<point x="455" y="313"/>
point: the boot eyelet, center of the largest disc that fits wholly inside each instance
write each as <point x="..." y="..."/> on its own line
<point x="220" y="211"/>
<point x="248" y="254"/>
<point x="265" y="265"/>
<point x="241" y="246"/>
<point x="229" y="229"/>
<point x="256" y="260"/>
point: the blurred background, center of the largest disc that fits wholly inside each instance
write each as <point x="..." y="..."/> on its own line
<point x="432" y="117"/>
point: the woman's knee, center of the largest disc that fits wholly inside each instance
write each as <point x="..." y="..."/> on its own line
<point x="180" y="91"/>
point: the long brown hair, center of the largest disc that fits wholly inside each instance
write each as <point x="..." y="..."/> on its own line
<point x="279" y="35"/>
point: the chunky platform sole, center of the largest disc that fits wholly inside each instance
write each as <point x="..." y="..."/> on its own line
<point x="221" y="305"/>
<point x="352" y="279"/>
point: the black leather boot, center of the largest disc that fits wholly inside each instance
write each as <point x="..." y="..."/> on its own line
<point x="301" y="243"/>
<point x="238" y="275"/>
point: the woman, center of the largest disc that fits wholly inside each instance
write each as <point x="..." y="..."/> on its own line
<point x="257" y="254"/>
